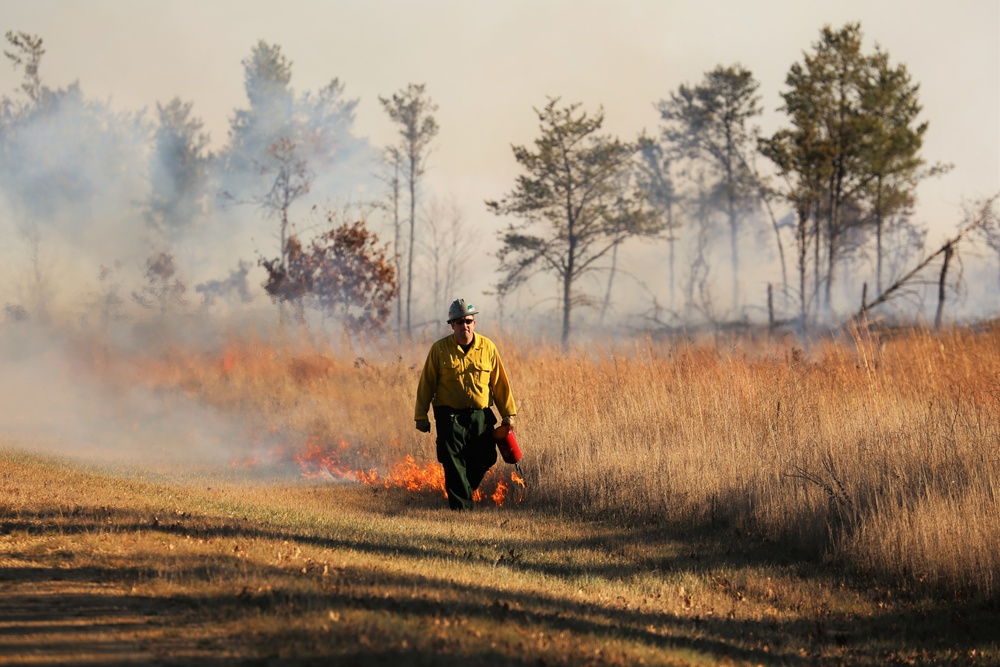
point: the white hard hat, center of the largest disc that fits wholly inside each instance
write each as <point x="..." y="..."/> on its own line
<point x="459" y="309"/>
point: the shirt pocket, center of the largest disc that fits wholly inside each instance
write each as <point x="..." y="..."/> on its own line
<point x="452" y="372"/>
<point x="480" y="373"/>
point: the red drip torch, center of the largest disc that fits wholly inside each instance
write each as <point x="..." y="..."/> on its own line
<point x="509" y="450"/>
<point x="507" y="443"/>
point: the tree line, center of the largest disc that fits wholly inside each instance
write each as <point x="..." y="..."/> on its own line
<point x="834" y="187"/>
<point x="847" y="165"/>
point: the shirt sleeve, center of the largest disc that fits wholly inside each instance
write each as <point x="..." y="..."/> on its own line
<point x="503" y="397"/>
<point x="426" y="387"/>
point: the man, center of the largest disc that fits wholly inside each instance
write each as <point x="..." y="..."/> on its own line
<point x="462" y="377"/>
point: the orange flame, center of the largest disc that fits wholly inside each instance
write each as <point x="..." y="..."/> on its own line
<point x="317" y="460"/>
<point x="500" y="494"/>
<point x="228" y="362"/>
<point x="408" y="475"/>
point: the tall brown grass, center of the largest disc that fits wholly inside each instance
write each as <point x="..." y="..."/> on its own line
<point x="881" y="452"/>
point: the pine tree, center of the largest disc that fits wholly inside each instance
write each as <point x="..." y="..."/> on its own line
<point x="577" y="199"/>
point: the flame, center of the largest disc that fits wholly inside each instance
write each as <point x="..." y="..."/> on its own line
<point x="221" y="379"/>
<point x="409" y="475"/>
<point x="316" y="460"/>
<point x="500" y="494"/>
<point x="228" y="362"/>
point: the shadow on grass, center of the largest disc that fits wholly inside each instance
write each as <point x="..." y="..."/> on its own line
<point x="387" y="607"/>
<point x="698" y="550"/>
<point x="352" y="590"/>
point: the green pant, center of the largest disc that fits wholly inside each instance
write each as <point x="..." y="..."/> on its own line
<point x="466" y="449"/>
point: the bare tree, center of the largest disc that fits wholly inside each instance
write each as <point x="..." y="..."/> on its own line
<point x="450" y="246"/>
<point x="412" y="110"/>
<point x="292" y="180"/>
<point x="654" y="178"/>
<point x="391" y="175"/>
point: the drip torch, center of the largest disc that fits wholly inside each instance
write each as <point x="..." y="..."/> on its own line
<point x="507" y="444"/>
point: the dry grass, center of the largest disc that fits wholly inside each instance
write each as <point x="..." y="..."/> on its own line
<point x="685" y="504"/>
<point x="880" y="452"/>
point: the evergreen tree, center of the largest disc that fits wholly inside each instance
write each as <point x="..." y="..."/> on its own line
<point x="891" y="143"/>
<point x="577" y="199"/>
<point x="267" y="76"/>
<point x="710" y="124"/>
<point x="319" y="125"/>
<point x="179" y="169"/>
<point x="66" y="162"/>
<point x="851" y="155"/>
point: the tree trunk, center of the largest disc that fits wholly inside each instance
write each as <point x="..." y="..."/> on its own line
<point x="567" y="299"/>
<point x="816" y="246"/>
<point x="942" y="284"/>
<point x="832" y="238"/>
<point x="803" y="243"/>
<point x="734" y="244"/>
<point x="611" y="278"/>
<point x="781" y="249"/>
<point x="409" y="263"/>
<point x="398" y="229"/>
<point x="733" y="225"/>
<point x="770" y="308"/>
<point x="283" y="240"/>
<point x="878" y="236"/>
<point x="673" y="274"/>
<point x="570" y="270"/>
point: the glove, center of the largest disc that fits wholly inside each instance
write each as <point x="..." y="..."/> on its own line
<point x="424" y="425"/>
<point x="507" y="421"/>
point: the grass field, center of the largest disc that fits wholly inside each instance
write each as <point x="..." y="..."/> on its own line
<point x="746" y="503"/>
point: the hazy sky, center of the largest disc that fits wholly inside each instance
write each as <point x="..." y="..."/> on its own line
<point x="488" y="63"/>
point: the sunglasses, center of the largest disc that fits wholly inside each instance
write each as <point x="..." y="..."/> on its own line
<point x="471" y="320"/>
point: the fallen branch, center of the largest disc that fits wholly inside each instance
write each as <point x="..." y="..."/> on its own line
<point x="946" y="249"/>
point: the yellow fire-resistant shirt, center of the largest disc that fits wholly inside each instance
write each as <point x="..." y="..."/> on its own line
<point x="459" y="379"/>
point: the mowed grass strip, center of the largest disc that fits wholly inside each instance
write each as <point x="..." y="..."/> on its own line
<point x="101" y="565"/>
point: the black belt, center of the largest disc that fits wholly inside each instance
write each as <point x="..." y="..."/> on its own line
<point x="446" y="410"/>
